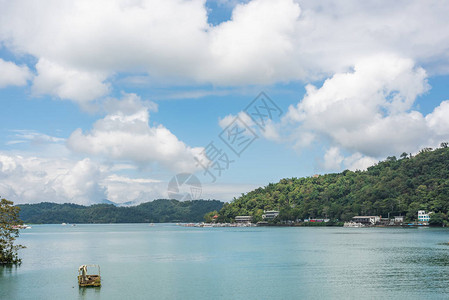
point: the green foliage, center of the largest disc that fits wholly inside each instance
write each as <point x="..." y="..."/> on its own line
<point x="9" y="219"/>
<point x="438" y="219"/>
<point x="392" y="187"/>
<point x="209" y="217"/>
<point x="157" y="211"/>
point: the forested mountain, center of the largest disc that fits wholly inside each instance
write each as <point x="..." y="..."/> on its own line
<point x="157" y="211"/>
<point x="394" y="186"/>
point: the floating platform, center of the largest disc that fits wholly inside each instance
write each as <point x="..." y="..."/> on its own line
<point x="85" y="279"/>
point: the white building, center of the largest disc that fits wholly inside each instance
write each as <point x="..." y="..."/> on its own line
<point x="270" y="214"/>
<point x="366" y="220"/>
<point x="423" y="216"/>
<point x="399" y="219"/>
<point x="243" y="219"/>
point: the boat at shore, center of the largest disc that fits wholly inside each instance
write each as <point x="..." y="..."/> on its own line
<point x="353" y="224"/>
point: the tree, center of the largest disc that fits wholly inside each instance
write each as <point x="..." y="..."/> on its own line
<point x="9" y="220"/>
<point x="211" y="216"/>
<point x="438" y="219"/>
<point x="425" y="150"/>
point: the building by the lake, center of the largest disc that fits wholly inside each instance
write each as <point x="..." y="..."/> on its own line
<point x="243" y="219"/>
<point x="423" y="217"/>
<point x="270" y="214"/>
<point x="366" y="220"/>
<point x="398" y="219"/>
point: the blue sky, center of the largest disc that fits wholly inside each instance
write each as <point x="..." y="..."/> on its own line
<point x="111" y="99"/>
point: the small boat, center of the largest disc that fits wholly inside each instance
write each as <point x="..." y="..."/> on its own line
<point x="353" y="224"/>
<point x="85" y="279"/>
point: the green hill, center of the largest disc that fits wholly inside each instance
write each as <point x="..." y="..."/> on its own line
<point x="157" y="211"/>
<point x="392" y="187"/>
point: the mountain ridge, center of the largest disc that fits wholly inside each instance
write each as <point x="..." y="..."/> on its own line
<point x="156" y="211"/>
<point x="391" y="187"/>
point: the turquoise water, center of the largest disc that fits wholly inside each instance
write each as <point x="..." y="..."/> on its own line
<point x="171" y="262"/>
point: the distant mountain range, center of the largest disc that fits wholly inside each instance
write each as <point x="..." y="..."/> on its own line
<point x="157" y="211"/>
<point x="128" y="203"/>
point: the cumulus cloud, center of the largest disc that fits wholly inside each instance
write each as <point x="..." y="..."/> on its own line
<point x="81" y="45"/>
<point x="122" y="189"/>
<point x="68" y="83"/>
<point x="32" y="179"/>
<point x="256" y="45"/>
<point x="124" y="134"/>
<point x="358" y="161"/>
<point x="369" y="113"/>
<point x="12" y="74"/>
<point x="367" y="110"/>
<point x="438" y="120"/>
<point x="243" y="116"/>
<point x="335" y="161"/>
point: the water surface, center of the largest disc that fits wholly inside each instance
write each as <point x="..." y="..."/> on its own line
<point x="166" y="261"/>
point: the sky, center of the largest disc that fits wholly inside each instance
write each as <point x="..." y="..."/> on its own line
<point x="113" y="99"/>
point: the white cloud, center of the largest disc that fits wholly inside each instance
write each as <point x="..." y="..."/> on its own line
<point x="243" y="116"/>
<point x="68" y="83"/>
<point x="438" y="120"/>
<point x="121" y="189"/>
<point x="359" y="162"/>
<point x="32" y="179"/>
<point x="123" y="179"/>
<point x="256" y="46"/>
<point x="367" y="110"/>
<point x="34" y="137"/>
<point x="81" y="45"/>
<point x="335" y="161"/>
<point x="124" y="134"/>
<point x="333" y="35"/>
<point x="271" y="131"/>
<point x="12" y="74"/>
<point x="367" y="113"/>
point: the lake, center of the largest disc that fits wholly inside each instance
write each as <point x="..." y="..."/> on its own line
<point x="166" y="261"/>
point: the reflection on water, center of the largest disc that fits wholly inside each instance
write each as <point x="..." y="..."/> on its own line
<point x="171" y="262"/>
<point x="89" y="293"/>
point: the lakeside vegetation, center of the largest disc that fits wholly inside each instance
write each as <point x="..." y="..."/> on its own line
<point x="157" y="211"/>
<point x="392" y="187"/>
<point x="9" y="220"/>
